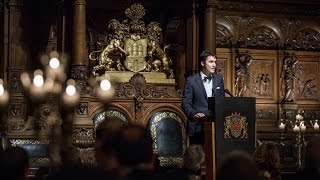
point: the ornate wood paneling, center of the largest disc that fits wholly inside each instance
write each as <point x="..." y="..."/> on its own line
<point x="264" y="31"/>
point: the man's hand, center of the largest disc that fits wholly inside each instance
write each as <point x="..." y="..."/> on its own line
<point x="198" y="116"/>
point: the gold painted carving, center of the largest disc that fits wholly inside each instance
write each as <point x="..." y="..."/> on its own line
<point x="137" y="50"/>
<point x="16" y="142"/>
<point x="132" y="46"/>
<point x="99" y="118"/>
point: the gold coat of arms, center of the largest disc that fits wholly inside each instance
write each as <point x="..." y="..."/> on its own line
<point x="235" y="126"/>
<point x="131" y="45"/>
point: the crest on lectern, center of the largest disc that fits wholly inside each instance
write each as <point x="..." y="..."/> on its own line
<point x="235" y="126"/>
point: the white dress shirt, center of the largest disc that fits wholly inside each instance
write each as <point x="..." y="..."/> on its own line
<point x="207" y="84"/>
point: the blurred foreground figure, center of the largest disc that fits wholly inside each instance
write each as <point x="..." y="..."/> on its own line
<point x="267" y="159"/>
<point x="237" y="165"/>
<point x="312" y="161"/>
<point x="104" y="149"/>
<point x="194" y="159"/>
<point x="134" y="152"/>
<point x="14" y="164"/>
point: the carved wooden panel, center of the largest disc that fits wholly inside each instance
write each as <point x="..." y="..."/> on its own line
<point x="221" y="67"/>
<point x="307" y="80"/>
<point x="262" y="79"/>
<point x="224" y="65"/>
<point x="266" y="117"/>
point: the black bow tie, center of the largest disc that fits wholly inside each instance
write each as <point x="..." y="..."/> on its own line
<point x="207" y="78"/>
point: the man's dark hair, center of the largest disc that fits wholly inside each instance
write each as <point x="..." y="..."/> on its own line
<point x="205" y="54"/>
<point x="133" y="145"/>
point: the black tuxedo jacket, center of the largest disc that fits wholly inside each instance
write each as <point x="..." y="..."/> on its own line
<point x="195" y="99"/>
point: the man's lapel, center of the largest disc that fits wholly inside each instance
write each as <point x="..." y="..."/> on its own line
<point x="200" y="84"/>
<point x="214" y="84"/>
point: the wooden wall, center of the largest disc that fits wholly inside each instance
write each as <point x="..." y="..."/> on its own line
<point x="264" y="30"/>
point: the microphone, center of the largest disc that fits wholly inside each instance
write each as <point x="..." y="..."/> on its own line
<point x="228" y="92"/>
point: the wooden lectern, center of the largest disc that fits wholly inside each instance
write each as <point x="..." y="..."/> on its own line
<point x="231" y="127"/>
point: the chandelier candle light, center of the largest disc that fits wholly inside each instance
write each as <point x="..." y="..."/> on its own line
<point x="4" y="95"/>
<point x="299" y="129"/>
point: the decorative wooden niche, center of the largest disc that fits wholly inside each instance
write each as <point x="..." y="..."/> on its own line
<point x="84" y="137"/>
<point x="169" y="136"/>
<point x="41" y="151"/>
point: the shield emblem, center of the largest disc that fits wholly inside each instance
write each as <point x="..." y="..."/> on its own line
<point x="235" y="126"/>
<point x="137" y="50"/>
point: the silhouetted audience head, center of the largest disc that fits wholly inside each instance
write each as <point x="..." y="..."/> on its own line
<point x="267" y="160"/>
<point x="134" y="152"/>
<point x="104" y="150"/>
<point x="313" y="153"/>
<point x="14" y="163"/>
<point x="42" y="173"/>
<point x="133" y="145"/>
<point x="312" y="160"/>
<point x="82" y="173"/>
<point x="237" y="165"/>
<point x="194" y="158"/>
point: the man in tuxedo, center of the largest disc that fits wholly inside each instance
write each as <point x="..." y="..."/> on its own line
<point x="198" y="88"/>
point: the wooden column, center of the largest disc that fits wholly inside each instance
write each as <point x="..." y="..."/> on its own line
<point x="79" y="72"/>
<point x="61" y="26"/>
<point x="195" y="38"/>
<point x="210" y="26"/>
<point x="79" y="53"/>
<point x="4" y="40"/>
<point x="80" y="59"/>
<point x="17" y="58"/>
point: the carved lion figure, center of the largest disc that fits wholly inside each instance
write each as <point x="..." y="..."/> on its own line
<point x="117" y="32"/>
<point x="154" y="48"/>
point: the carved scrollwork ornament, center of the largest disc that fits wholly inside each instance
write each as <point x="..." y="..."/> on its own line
<point x="80" y="74"/>
<point x="15" y="84"/>
<point x="308" y="39"/>
<point x="263" y="37"/>
<point x="266" y="114"/>
<point x="15" y="110"/>
<point x="224" y="37"/>
<point x="79" y="2"/>
<point x="83" y="138"/>
<point x="82" y="109"/>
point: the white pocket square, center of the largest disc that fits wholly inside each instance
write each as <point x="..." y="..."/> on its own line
<point x="218" y="87"/>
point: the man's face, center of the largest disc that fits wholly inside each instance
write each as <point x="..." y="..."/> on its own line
<point x="209" y="65"/>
